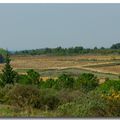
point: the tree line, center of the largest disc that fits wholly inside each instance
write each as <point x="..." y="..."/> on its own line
<point x="114" y="49"/>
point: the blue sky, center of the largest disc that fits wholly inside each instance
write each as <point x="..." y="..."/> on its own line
<point x="31" y="26"/>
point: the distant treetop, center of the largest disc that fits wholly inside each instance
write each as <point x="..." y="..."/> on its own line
<point x="115" y="46"/>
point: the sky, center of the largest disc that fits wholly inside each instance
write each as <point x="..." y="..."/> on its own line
<point x="33" y="26"/>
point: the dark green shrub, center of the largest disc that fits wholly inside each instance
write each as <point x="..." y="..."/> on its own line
<point x="33" y="77"/>
<point x="9" y="76"/>
<point x="86" y="81"/>
<point x="64" y="81"/>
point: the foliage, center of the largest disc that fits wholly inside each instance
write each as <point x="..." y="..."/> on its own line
<point x="23" y="96"/>
<point x="87" y="105"/>
<point x="3" y="51"/>
<point x="9" y="76"/>
<point x="48" y="99"/>
<point x="64" y="81"/>
<point x="90" y="105"/>
<point x="49" y="83"/>
<point x="69" y="95"/>
<point x="115" y="46"/>
<point x="33" y="76"/>
<point x="71" y="51"/>
<point x="86" y="81"/>
<point x="23" y="79"/>
<point x="109" y="85"/>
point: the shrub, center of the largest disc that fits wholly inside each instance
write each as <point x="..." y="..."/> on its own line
<point x="91" y="105"/>
<point x="86" y="81"/>
<point x="49" y="99"/>
<point x="4" y="91"/>
<point x="33" y="77"/>
<point x="68" y="95"/>
<point x="49" y="83"/>
<point x="109" y="85"/>
<point x="23" y="96"/>
<point x="23" y="79"/>
<point x="86" y="106"/>
<point x="29" y="96"/>
<point x="9" y="76"/>
<point x="64" y="81"/>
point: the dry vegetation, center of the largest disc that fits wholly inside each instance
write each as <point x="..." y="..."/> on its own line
<point x="113" y="69"/>
<point x="62" y="62"/>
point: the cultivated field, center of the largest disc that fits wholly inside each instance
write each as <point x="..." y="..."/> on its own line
<point x="93" y="63"/>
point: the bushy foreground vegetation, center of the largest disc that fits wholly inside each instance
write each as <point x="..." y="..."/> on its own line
<point x="66" y="96"/>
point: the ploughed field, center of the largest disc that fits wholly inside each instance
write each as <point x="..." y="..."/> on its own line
<point x="94" y="63"/>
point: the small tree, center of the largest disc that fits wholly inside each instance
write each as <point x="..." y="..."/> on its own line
<point x="9" y="76"/>
<point x="64" y="81"/>
<point x="87" y="81"/>
<point x="33" y="77"/>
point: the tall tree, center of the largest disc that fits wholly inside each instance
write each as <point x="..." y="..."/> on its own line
<point x="9" y="76"/>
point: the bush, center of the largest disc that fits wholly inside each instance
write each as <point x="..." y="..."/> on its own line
<point x="85" y="106"/>
<point x="4" y="91"/>
<point x="86" y="81"/>
<point x="64" y="81"/>
<point x="49" y="83"/>
<point x="23" y="96"/>
<point x="49" y="99"/>
<point x="109" y="85"/>
<point x="90" y="105"/>
<point x="23" y="79"/>
<point x="33" y="77"/>
<point x="68" y="95"/>
<point x="9" y="76"/>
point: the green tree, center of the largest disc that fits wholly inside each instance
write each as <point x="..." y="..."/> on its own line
<point x="86" y="81"/>
<point x="33" y="77"/>
<point x="64" y="81"/>
<point x="9" y="76"/>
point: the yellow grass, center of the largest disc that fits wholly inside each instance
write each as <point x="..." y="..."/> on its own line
<point x="111" y="69"/>
<point x="62" y="62"/>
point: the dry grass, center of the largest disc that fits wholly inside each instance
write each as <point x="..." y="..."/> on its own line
<point x="47" y="62"/>
<point x="112" y="69"/>
<point x="62" y="62"/>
